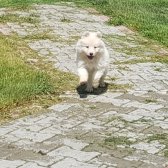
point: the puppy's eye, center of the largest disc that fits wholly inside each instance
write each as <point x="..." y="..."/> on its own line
<point x="95" y="47"/>
<point x="87" y="46"/>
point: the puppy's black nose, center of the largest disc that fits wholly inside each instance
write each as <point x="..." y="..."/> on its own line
<point x="91" y="54"/>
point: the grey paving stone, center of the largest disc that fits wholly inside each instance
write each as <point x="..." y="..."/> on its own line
<point x="149" y="160"/>
<point x="90" y="126"/>
<point x="148" y="106"/>
<point x="64" y="136"/>
<point x="153" y="147"/>
<point x="4" y="29"/>
<point x="11" y="164"/>
<point x="32" y="136"/>
<point x="108" y="98"/>
<point x="48" y="161"/>
<point x="75" y="144"/>
<point x="162" y="124"/>
<point x="130" y="117"/>
<point x="61" y="107"/>
<point x="32" y="165"/>
<point x="76" y="154"/>
<point x="4" y="130"/>
<point x="72" y="163"/>
<point x="150" y="114"/>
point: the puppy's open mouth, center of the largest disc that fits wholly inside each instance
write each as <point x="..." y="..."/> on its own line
<point x="90" y="57"/>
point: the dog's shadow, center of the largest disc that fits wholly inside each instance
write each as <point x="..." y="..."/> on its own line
<point x="81" y="90"/>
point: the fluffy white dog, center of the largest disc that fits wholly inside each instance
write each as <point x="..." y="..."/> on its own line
<point x="92" y="60"/>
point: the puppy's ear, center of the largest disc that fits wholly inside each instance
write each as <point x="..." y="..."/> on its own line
<point x="99" y="34"/>
<point x="85" y="34"/>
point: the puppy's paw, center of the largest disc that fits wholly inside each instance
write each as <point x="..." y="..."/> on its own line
<point x="102" y="84"/>
<point x="82" y="83"/>
<point x="89" y="88"/>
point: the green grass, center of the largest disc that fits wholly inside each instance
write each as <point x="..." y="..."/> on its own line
<point x="149" y="17"/>
<point x="22" y="84"/>
<point x="18" y="81"/>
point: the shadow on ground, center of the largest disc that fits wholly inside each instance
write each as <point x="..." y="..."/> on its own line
<point x="81" y="90"/>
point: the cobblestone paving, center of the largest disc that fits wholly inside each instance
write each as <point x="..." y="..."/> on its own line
<point x="115" y="129"/>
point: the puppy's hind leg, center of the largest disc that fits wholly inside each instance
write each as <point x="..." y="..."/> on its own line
<point x="101" y="81"/>
<point x="99" y="78"/>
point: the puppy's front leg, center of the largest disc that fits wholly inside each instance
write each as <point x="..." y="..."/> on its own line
<point x="83" y="75"/>
<point x="89" y="87"/>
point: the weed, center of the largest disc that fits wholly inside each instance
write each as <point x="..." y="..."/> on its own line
<point x="65" y="20"/>
<point x="92" y="107"/>
<point x="124" y="87"/>
<point x="150" y="100"/>
<point x="114" y="141"/>
<point x="16" y="18"/>
<point x="158" y="69"/>
<point x="158" y="137"/>
<point x="166" y="153"/>
<point x="163" y="139"/>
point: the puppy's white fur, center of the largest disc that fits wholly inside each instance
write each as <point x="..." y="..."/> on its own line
<point x="92" y="59"/>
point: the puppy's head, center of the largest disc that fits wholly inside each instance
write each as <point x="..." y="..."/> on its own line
<point x="91" y="44"/>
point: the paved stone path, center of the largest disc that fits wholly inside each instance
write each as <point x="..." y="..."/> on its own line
<point x="116" y="129"/>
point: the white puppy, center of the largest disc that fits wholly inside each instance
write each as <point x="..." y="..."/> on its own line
<point x="92" y="59"/>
